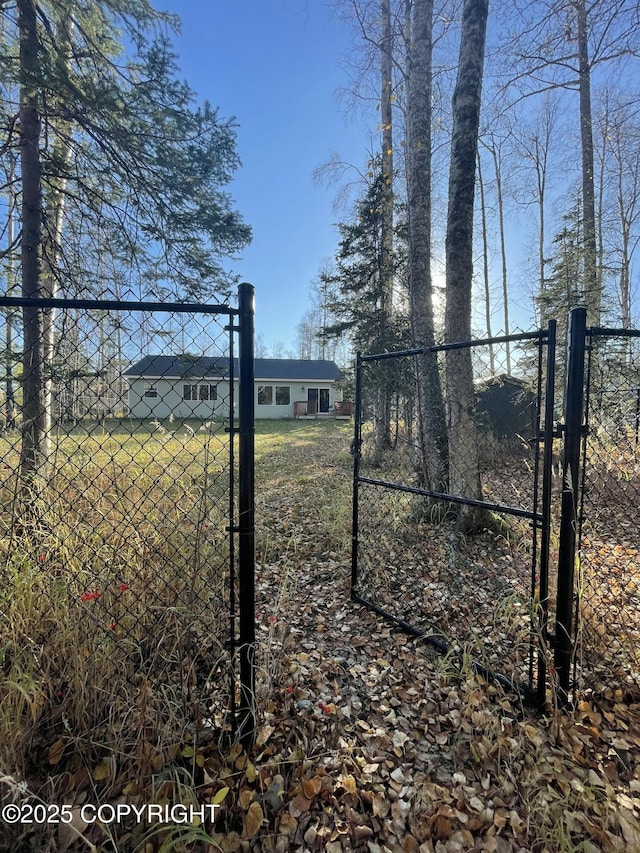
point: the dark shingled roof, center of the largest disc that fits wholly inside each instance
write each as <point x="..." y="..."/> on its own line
<point x="206" y="367"/>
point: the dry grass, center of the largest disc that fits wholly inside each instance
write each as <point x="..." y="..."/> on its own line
<point x="112" y="599"/>
<point x="89" y="713"/>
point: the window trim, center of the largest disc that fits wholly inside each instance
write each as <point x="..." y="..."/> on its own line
<point x="212" y="392"/>
<point x="259" y="389"/>
<point x="281" y="388"/>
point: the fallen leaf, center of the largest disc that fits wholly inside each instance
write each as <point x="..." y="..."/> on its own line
<point x="253" y="820"/>
<point x="219" y="797"/>
<point x="312" y="787"/>
<point x="299" y="804"/>
<point x="56" y="750"/>
<point x="102" y="771"/>
<point x="348" y="783"/>
<point x="264" y="733"/>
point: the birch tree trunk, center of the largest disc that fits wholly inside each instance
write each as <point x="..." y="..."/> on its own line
<point x="592" y="293"/>
<point x="382" y="421"/>
<point x="432" y="433"/>
<point x="485" y="267"/>
<point x="503" y="251"/>
<point x="55" y="209"/>
<point x="464" y="472"/>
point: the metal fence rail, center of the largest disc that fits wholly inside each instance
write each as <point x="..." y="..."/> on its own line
<point x="554" y="585"/>
<point x="126" y="516"/>
<point x="407" y="564"/>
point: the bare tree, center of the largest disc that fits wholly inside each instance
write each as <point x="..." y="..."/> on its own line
<point x="593" y="296"/>
<point x="464" y="472"/>
<point x="431" y="421"/>
<point x="533" y="144"/>
<point x="485" y="266"/>
<point x="494" y="147"/>
<point x="383" y="414"/>
<point x="619" y="132"/>
<point x="54" y="204"/>
<point x="557" y="46"/>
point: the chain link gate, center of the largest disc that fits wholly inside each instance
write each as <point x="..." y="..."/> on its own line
<point x="486" y="596"/>
<point x="126" y="523"/>
<point x="566" y="480"/>
<point x="599" y="563"/>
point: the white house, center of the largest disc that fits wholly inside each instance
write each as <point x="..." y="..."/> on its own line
<point x="186" y="386"/>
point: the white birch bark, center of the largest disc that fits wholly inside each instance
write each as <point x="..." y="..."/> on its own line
<point x="432" y="437"/>
<point x="464" y="473"/>
<point x="382" y="420"/>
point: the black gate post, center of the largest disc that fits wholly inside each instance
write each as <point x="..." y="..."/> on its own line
<point x="355" y="450"/>
<point x="246" y="529"/>
<point x="545" y="540"/>
<point x="574" y="409"/>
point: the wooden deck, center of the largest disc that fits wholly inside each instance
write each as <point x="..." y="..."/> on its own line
<point x="305" y="410"/>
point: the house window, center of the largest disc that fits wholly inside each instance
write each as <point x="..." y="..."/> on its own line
<point x="199" y="392"/>
<point x="150" y="389"/>
<point x="283" y="395"/>
<point x="265" y="395"/>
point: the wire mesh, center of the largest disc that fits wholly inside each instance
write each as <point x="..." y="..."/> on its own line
<point x="474" y="592"/>
<point x="117" y="568"/>
<point x="608" y="582"/>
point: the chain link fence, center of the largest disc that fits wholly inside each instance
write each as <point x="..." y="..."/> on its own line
<point x="118" y="581"/>
<point x="608" y="579"/>
<point x="473" y="594"/>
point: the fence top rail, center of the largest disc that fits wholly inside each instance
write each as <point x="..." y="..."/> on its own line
<point x="539" y="335"/>
<point x="600" y="332"/>
<point x="117" y="305"/>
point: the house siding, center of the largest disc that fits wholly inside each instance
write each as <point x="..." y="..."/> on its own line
<point x="169" y="374"/>
<point x="298" y="394"/>
<point x="169" y="401"/>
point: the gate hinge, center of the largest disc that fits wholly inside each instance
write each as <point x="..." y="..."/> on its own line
<point x="556" y="432"/>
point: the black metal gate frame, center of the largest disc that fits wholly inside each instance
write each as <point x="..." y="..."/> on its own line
<point x="575" y="430"/>
<point x="242" y="611"/>
<point x="539" y="515"/>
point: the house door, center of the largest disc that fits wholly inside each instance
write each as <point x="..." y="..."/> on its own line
<point x="320" y="398"/>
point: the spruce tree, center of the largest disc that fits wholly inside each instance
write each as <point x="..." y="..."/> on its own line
<point x="358" y="285"/>
<point x="115" y="158"/>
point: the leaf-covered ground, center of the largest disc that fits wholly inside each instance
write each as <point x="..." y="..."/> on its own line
<point x="372" y="741"/>
<point x="368" y="739"/>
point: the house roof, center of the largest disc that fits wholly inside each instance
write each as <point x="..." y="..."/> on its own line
<point x="296" y="368"/>
<point x="207" y="367"/>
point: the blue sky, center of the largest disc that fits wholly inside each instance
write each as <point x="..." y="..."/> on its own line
<point x="276" y="65"/>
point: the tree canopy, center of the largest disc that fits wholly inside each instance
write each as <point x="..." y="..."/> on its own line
<point x="358" y="285"/>
<point x="136" y="168"/>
